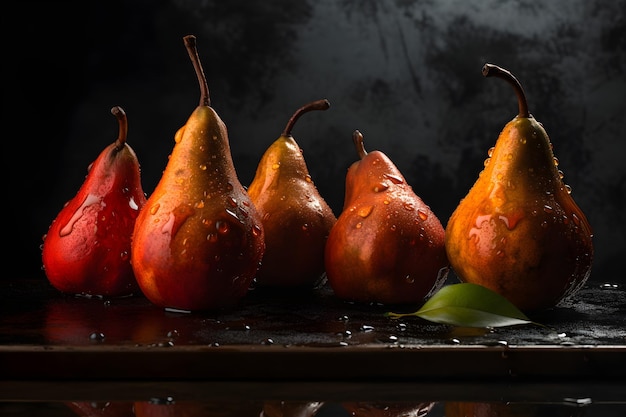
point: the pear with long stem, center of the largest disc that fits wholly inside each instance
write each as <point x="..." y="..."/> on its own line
<point x="519" y="231"/>
<point x="198" y="243"/>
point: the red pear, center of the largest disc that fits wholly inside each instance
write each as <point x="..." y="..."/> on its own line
<point x="87" y="247"/>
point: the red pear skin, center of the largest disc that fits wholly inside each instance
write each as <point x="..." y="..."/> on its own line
<point x="518" y="231"/>
<point x="296" y="218"/>
<point x="198" y="243"/>
<point x="87" y="247"/>
<point x="387" y="245"/>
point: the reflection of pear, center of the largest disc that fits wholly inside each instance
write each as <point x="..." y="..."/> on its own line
<point x="387" y="245"/>
<point x="199" y="240"/>
<point x="87" y="247"/>
<point x="387" y="409"/>
<point x="291" y="408"/>
<point x="170" y="407"/>
<point x="518" y="231"/>
<point x="296" y="218"/>
<point x="506" y="409"/>
<point x="102" y="409"/>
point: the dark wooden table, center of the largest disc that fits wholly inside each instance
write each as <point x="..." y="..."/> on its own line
<point x="302" y="346"/>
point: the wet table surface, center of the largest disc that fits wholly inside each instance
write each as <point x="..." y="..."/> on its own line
<point x="302" y="345"/>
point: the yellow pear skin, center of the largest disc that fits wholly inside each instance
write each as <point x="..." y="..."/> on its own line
<point x="198" y="243"/>
<point x="518" y="231"/>
<point x="296" y="218"/>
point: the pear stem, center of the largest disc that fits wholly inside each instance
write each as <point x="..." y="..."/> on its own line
<point x="119" y="113"/>
<point x="314" y="105"/>
<point x="496" y="71"/>
<point x="190" y="44"/>
<point x="357" y="138"/>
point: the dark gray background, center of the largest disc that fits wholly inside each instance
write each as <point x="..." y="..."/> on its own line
<point x="405" y="73"/>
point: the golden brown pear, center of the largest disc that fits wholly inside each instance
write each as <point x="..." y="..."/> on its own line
<point x="296" y="218"/>
<point x="198" y="242"/>
<point x="518" y="231"/>
<point x="387" y="245"/>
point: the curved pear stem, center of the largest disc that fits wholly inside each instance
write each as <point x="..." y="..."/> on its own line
<point x="496" y="71"/>
<point x="190" y="44"/>
<point x="357" y="138"/>
<point x="119" y="113"/>
<point x="314" y="105"/>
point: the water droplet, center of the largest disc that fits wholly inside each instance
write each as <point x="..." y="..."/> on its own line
<point x="232" y="202"/>
<point x="276" y="165"/>
<point x="172" y="334"/>
<point x="305" y="227"/>
<point x="203" y="167"/>
<point x="575" y="219"/>
<point x="486" y="162"/>
<point x="162" y="401"/>
<point x="511" y="220"/>
<point x="200" y="204"/>
<point x="386" y="202"/>
<point x="256" y="230"/>
<point x="548" y="209"/>
<point x="422" y="214"/>
<point x="578" y="402"/>
<point x="232" y="214"/>
<point x="490" y="151"/>
<point x="222" y="227"/>
<point x="124" y="255"/>
<point x="132" y="203"/>
<point x="96" y="337"/>
<point x="380" y="187"/>
<point x="359" y="225"/>
<point x="408" y="206"/>
<point x="394" y="178"/>
<point x="556" y="161"/>
<point x="365" y="211"/>
<point x="568" y="189"/>
<point x="409" y="279"/>
<point x="346" y="334"/>
<point x="607" y="286"/>
<point x="307" y="178"/>
<point x="389" y="339"/>
<point x="366" y="328"/>
<point x="268" y="341"/>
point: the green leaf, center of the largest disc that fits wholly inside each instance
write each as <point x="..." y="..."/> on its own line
<point x="468" y="305"/>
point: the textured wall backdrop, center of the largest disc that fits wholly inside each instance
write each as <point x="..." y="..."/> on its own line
<point x="405" y="73"/>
